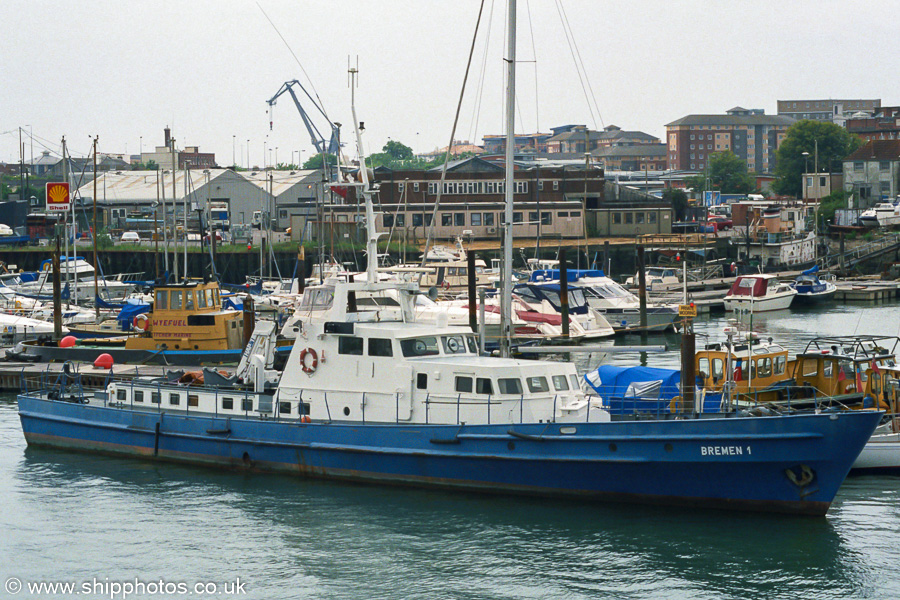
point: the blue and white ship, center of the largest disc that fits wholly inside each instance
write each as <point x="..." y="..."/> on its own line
<point x="371" y="395"/>
<point x="811" y="288"/>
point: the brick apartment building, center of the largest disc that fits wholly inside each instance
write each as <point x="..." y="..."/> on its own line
<point x="884" y="124"/>
<point x="834" y="111"/>
<point x="749" y="133"/>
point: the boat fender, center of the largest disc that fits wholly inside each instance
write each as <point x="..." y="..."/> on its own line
<point x="305" y="419"/>
<point x="309" y="366"/>
<point x="141" y="323"/>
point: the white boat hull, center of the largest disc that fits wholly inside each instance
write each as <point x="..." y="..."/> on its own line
<point x="881" y="453"/>
<point x="767" y="303"/>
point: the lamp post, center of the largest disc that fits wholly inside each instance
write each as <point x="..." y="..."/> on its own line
<point x="248" y="153"/>
<point x="233" y="158"/>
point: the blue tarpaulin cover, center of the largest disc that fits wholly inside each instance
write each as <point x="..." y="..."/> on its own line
<point x="627" y="390"/>
<point x="131" y="309"/>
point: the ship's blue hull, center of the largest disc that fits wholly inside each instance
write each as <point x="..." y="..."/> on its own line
<point x="787" y="464"/>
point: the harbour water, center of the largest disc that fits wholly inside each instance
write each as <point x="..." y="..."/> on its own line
<point x="71" y="517"/>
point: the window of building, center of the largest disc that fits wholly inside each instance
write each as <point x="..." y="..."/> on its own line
<point x="884" y="165"/>
<point x="629" y="218"/>
<point x="459" y="219"/>
<point x="651" y="218"/>
<point x="692" y="146"/>
<point x="489" y="219"/>
<point x="388" y="220"/>
<point x="822" y="182"/>
<point x="517" y="217"/>
<point x="446" y="219"/>
<point x="416" y="186"/>
<point x="380" y="347"/>
<point x="532" y="217"/>
<point x="417" y="219"/>
<point x="639" y="218"/>
<point x="555" y="186"/>
<point x="858" y="165"/>
<point x="350" y="345"/>
<point x="617" y="218"/>
<point x="546" y="218"/>
<point x="476" y="219"/>
<point x="540" y="186"/>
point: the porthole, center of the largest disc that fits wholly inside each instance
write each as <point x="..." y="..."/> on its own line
<point x="346" y="411"/>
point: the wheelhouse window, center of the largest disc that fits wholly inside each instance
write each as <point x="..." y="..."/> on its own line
<point x="246" y="404"/>
<point x="284" y="408"/>
<point x="423" y="346"/>
<point x="560" y="384"/>
<point x="227" y="403"/>
<point x="454" y="344"/>
<point x="510" y="385"/>
<point x="780" y="364"/>
<point x="201" y="299"/>
<point x="537" y="384"/>
<point x="189" y="299"/>
<point x="483" y="385"/>
<point x="380" y="347"/>
<point x="463" y="384"/>
<point x="177" y="296"/>
<point x="350" y="345"/>
<point x="162" y="299"/>
<point x="174" y="399"/>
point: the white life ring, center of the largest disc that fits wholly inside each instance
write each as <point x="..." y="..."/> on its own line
<point x="142" y="323"/>
<point x="309" y="367"/>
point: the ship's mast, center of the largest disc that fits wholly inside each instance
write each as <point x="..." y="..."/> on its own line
<point x="371" y="234"/>
<point x="506" y="275"/>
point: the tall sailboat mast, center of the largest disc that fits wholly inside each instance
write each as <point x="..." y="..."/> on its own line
<point x="371" y="234"/>
<point x="506" y="276"/>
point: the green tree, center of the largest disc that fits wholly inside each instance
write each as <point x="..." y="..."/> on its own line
<point x="726" y="173"/>
<point x="397" y="150"/>
<point x="316" y="161"/>
<point x="834" y="144"/>
<point x="679" y="201"/>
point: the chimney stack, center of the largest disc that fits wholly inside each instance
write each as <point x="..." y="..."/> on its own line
<point x="168" y="137"/>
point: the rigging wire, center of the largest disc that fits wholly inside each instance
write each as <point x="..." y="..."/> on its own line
<point x="462" y="91"/>
<point x="579" y="64"/>
<point x="479" y="93"/>
<point x="297" y="60"/>
<point x="537" y="116"/>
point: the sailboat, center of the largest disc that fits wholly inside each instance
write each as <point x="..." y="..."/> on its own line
<point x="371" y="395"/>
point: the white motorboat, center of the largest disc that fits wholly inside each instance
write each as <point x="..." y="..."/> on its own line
<point x="759" y="293"/>
<point x="621" y="308"/>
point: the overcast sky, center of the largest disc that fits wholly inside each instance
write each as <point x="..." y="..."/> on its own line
<point x="122" y="70"/>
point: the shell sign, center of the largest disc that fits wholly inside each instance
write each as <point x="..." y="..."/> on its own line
<point x="57" y="196"/>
